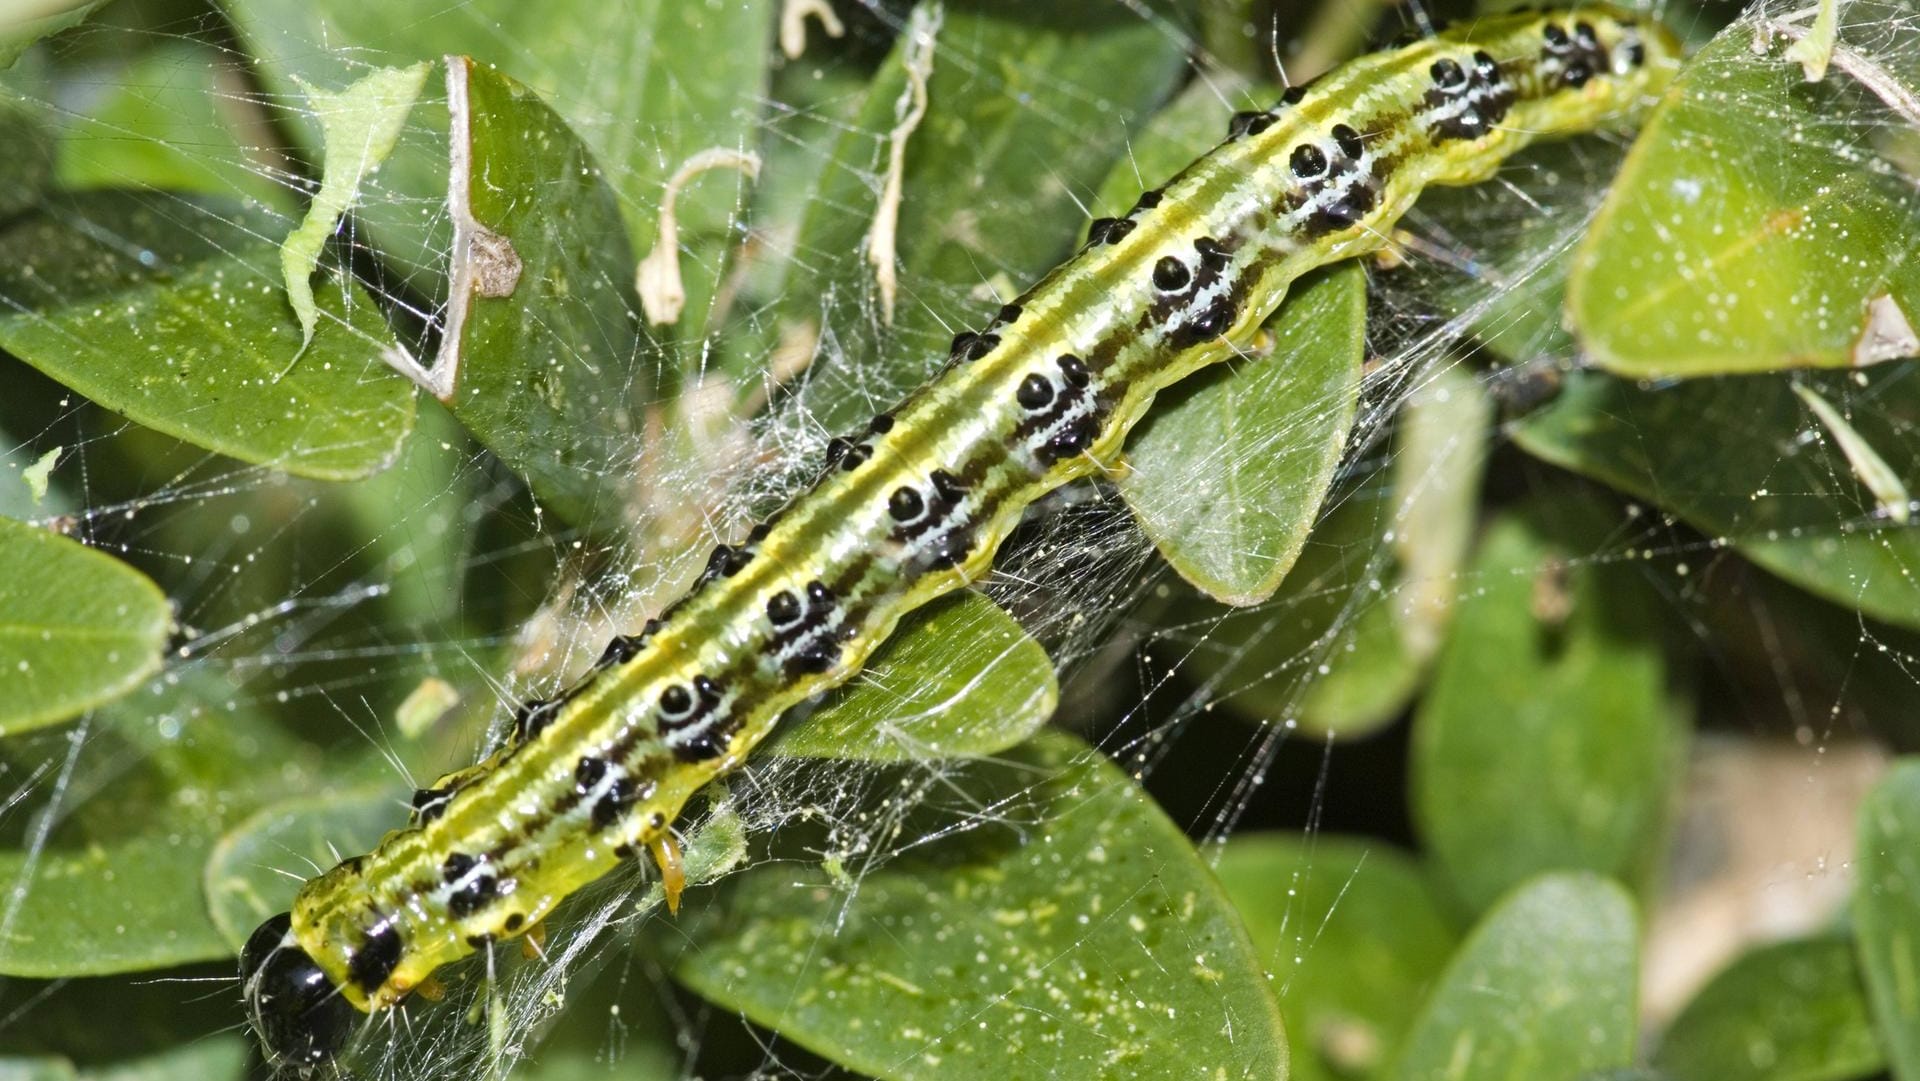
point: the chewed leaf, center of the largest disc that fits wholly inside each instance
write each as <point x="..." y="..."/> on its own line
<point x="957" y="679"/>
<point x="1352" y="932"/>
<point x="541" y="357"/>
<point x="1886" y="913"/>
<point x="169" y="310"/>
<point x="1228" y="473"/>
<point x="1553" y="669"/>
<point x="77" y="627"/>
<point x="1725" y="247"/>
<point x="1742" y="459"/>
<point x="1543" y="989"/>
<point x="1792" y="1011"/>
<point x="1072" y="933"/>
<point x="359" y="125"/>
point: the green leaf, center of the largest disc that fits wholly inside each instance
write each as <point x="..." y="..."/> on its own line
<point x="1886" y="913"/>
<point x="541" y="350"/>
<point x="1352" y="934"/>
<point x="1724" y="247"/>
<point x="166" y="122"/>
<point x="359" y="125"/>
<point x="1343" y="646"/>
<point x="1024" y="115"/>
<point x="18" y="34"/>
<point x="168" y="310"/>
<point x="256" y="867"/>
<point x="1194" y="122"/>
<point x="644" y="85"/>
<point x="77" y="628"/>
<point x="1741" y="459"/>
<point x="1228" y="472"/>
<point x="1071" y="933"/>
<point x="1792" y="1011"/>
<point x="1543" y="990"/>
<point x="27" y="167"/>
<point x="1554" y="672"/>
<point x="957" y="679"/>
<point x="22" y="1068"/>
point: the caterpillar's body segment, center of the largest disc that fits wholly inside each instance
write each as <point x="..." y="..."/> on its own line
<point x="916" y="505"/>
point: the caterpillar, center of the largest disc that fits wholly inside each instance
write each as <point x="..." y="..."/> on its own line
<point x="915" y="504"/>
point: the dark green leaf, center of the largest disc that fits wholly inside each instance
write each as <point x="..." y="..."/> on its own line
<point x="958" y="679"/>
<point x="1352" y="936"/>
<point x="548" y="356"/>
<point x="27" y="167"/>
<point x="1024" y="117"/>
<point x="1073" y="932"/>
<point x="1228" y="472"/>
<point x="1886" y="913"/>
<point x="169" y="310"/>
<point x="1725" y="247"/>
<point x="77" y="628"/>
<point x="214" y="1058"/>
<point x="17" y="34"/>
<point x="1742" y="459"/>
<point x="1794" y="1011"/>
<point x="1549" y="739"/>
<point x="1543" y="990"/>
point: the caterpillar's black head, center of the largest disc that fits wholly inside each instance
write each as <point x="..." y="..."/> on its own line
<point x="297" y="1012"/>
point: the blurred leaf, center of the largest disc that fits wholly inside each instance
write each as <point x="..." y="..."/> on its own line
<point x="1228" y="472"/>
<point x="1543" y="990"/>
<point x="257" y="867"/>
<point x="957" y="679"/>
<point x="21" y="1068"/>
<point x="359" y="125"/>
<point x="547" y="353"/>
<point x="1342" y="647"/>
<point x="644" y="84"/>
<point x="1724" y="247"/>
<point x="212" y="1058"/>
<point x="168" y="121"/>
<point x="1353" y="936"/>
<point x="1792" y="1011"/>
<point x="1742" y="460"/>
<point x="77" y="628"/>
<point x="1024" y="108"/>
<point x="17" y="33"/>
<point x="1073" y="932"/>
<point x="26" y="169"/>
<point x="1886" y="913"/>
<point x="1553" y="670"/>
<point x="168" y="310"/>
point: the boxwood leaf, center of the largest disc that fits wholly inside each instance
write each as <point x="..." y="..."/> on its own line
<point x="1886" y="913"/>
<point x="959" y="678"/>
<point x="1548" y="738"/>
<point x="1743" y="460"/>
<point x="1725" y="247"/>
<point x="77" y="627"/>
<point x="1543" y="989"/>
<point x="168" y="310"/>
<point x="1791" y="1011"/>
<point x="1074" y="932"/>
<point x="1352" y="934"/>
<point x="1228" y="472"/>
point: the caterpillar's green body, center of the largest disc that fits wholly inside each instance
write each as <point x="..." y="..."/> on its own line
<point x="916" y="505"/>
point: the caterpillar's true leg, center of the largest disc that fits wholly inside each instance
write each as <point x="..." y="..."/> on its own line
<point x="673" y="873"/>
